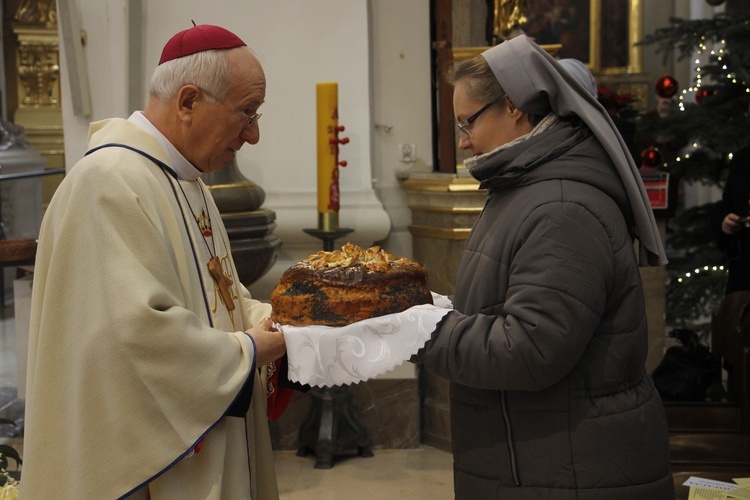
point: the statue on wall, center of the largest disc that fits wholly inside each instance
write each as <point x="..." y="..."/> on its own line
<point x="509" y="16"/>
<point x="12" y="135"/>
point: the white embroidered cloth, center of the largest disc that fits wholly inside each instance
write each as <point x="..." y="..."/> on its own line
<point x="324" y="356"/>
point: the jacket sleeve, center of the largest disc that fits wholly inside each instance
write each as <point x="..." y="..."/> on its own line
<point x="558" y="279"/>
<point x="734" y="199"/>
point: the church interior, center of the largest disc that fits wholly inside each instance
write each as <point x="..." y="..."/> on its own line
<point x="403" y="187"/>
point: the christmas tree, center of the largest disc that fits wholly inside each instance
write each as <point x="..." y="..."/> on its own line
<point x="710" y="121"/>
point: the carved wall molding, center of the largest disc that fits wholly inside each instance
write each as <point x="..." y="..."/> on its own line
<point x="33" y="80"/>
<point x="38" y="66"/>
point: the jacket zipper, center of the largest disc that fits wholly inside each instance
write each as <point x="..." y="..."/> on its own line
<point x="509" y="433"/>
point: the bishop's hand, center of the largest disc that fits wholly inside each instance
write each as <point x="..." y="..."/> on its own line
<point x="269" y="342"/>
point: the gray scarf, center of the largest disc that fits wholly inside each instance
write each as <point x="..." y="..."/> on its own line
<point x="543" y="125"/>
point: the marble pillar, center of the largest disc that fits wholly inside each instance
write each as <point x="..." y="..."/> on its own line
<point x="249" y="227"/>
<point x="444" y="208"/>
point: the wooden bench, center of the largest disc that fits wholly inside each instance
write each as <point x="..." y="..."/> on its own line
<point x="712" y="439"/>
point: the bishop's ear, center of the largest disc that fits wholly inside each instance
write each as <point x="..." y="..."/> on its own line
<point x="187" y="97"/>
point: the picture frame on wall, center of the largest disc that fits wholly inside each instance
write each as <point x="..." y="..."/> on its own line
<point x="601" y="33"/>
<point x="563" y="22"/>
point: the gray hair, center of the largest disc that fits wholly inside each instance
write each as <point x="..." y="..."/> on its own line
<point x="208" y="70"/>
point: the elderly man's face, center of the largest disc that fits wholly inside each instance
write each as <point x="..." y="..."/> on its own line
<point x="220" y="129"/>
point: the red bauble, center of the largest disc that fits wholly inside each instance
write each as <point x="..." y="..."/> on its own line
<point x="666" y="86"/>
<point x="701" y="94"/>
<point x="651" y="157"/>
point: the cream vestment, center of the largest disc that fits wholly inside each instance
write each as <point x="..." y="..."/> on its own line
<point x="133" y="359"/>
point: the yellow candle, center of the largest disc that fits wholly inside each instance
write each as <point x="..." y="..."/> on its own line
<point x="328" y="172"/>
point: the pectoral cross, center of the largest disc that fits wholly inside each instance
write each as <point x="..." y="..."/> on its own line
<point x="223" y="283"/>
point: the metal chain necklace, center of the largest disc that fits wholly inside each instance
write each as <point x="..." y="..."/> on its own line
<point x="222" y="282"/>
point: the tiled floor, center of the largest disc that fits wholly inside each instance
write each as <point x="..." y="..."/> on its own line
<point x="423" y="473"/>
<point x="411" y="474"/>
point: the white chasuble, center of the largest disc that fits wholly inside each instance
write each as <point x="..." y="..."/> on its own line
<point x="134" y="361"/>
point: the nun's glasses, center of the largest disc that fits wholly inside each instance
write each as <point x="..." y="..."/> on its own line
<point x="464" y="127"/>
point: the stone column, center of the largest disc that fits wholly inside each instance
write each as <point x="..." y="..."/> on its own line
<point x="249" y="227"/>
<point x="444" y="208"/>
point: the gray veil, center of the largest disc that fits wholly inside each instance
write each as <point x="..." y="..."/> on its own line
<point x="533" y="81"/>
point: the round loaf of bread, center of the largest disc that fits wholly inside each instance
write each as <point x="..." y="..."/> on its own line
<point x="341" y="287"/>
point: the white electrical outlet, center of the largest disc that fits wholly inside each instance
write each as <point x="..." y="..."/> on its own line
<point x="408" y="153"/>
